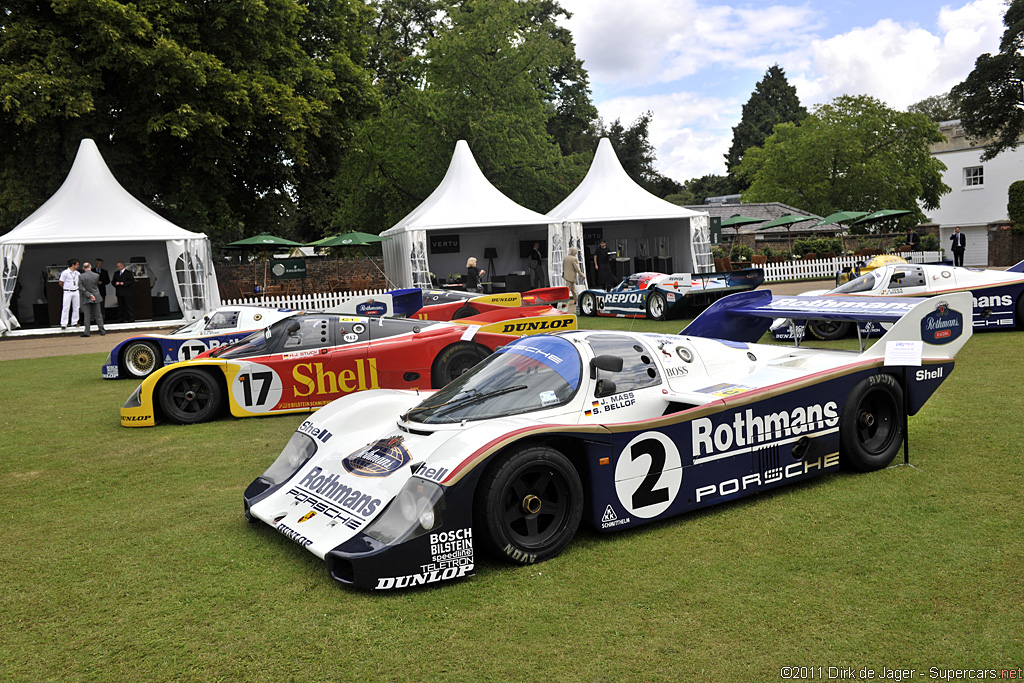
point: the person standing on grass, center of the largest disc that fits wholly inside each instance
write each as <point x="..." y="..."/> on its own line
<point x="124" y="281"/>
<point x="71" y="301"/>
<point x="959" y="241"/>
<point x="571" y="271"/>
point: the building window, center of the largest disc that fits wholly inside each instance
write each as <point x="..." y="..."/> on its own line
<point x="974" y="176"/>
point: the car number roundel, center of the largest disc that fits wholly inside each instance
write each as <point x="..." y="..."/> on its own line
<point x="190" y="349"/>
<point x="257" y="388"/>
<point x="648" y="475"/>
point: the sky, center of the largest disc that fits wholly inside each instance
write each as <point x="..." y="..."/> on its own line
<point x="694" y="63"/>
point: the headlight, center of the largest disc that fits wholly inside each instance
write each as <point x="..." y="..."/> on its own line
<point x="416" y="509"/>
<point x="297" y="451"/>
<point x="135" y="400"/>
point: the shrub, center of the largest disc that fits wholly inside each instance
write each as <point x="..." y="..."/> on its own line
<point x="1015" y="206"/>
<point x="930" y="243"/>
<point x="818" y="245"/>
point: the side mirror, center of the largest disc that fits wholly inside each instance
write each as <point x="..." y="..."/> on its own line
<point x="206" y="318"/>
<point x="293" y="327"/>
<point x="607" y="363"/>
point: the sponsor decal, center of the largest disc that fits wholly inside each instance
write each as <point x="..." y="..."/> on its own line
<point x="992" y="301"/>
<point x="378" y="459"/>
<point x="312" y="378"/>
<point x="943" y="325"/>
<point x="548" y="398"/>
<point x="327" y="493"/>
<point x="451" y="557"/>
<point x="749" y="429"/>
<point x="309" y="515"/>
<point x="758" y="479"/>
<point x="135" y="418"/>
<point x="556" y="323"/>
<point x="110" y="372"/>
<point x="670" y="296"/>
<point x="306" y="353"/>
<point x="318" y="433"/>
<point x="373" y="308"/>
<point x="609" y="519"/>
<point x="294" y="535"/>
<point x="624" y="298"/>
<point x="923" y="375"/>
<point x="725" y="389"/>
<point x="786" y="332"/>
<point x="432" y="473"/>
<point x="829" y="304"/>
<point x="673" y="372"/>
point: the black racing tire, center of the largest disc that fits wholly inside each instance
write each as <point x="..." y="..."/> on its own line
<point x="464" y="312"/>
<point x="656" y="306"/>
<point x="190" y="396"/>
<point x="528" y="505"/>
<point x="1019" y="312"/>
<point x="871" y="425"/>
<point x="828" y="330"/>
<point x="139" y="359"/>
<point x="455" y="360"/>
<point x="588" y="304"/>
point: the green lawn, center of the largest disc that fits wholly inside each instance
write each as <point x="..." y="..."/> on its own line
<point x="124" y="557"/>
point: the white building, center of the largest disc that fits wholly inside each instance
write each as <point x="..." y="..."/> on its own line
<point x="977" y="201"/>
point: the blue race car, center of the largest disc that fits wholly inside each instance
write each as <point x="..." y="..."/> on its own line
<point x="660" y="297"/>
<point x="997" y="297"/>
<point x="395" y="488"/>
<point x="138" y="356"/>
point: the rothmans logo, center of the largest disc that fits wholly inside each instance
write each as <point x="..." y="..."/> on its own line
<point x="379" y="459"/>
<point x="748" y="430"/>
<point x="942" y="325"/>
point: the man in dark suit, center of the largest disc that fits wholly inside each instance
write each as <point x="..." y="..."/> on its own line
<point x="104" y="280"/>
<point x="89" y="289"/>
<point x="123" y="282"/>
<point x="959" y="241"/>
<point x="913" y="240"/>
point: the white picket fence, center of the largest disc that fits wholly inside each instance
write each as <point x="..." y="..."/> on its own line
<point x="306" y="302"/>
<point x="817" y="269"/>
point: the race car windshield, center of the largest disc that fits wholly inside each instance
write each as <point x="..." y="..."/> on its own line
<point x="532" y="373"/>
<point x="189" y="327"/>
<point x="253" y="344"/>
<point x="865" y="283"/>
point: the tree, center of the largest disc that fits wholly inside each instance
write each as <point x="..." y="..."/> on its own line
<point x="992" y="96"/>
<point x="851" y="154"/>
<point x="697" y="190"/>
<point x="773" y="101"/>
<point x="633" y="147"/>
<point x="938" y="108"/>
<point x="486" y="78"/>
<point x="226" y="117"/>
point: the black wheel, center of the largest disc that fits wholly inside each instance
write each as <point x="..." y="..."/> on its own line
<point x="454" y="361"/>
<point x="190" y="396"/>
<point x="139" y="359"/>
<point x="1019" y="312"/>
<point x="871" y="426"/>
<point x="529" y="505"/>
<point x="464" y="312"/>
<point x="656" y="306"/>
<point x="588" y="304"/>
<point x="828" y="330"/>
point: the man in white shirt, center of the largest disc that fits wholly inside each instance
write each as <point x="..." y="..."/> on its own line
<point x="69" y="283"/>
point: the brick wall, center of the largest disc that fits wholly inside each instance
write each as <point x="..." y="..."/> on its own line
<point x="322" y="275"/>
<point x="1004" y="248"/>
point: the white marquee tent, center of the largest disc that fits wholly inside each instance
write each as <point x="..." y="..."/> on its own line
<point x="91" y="216"/>
<point x="463" y="217"/>
<point x="634" y="221"/>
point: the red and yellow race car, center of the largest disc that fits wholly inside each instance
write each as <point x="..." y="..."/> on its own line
<point x="307" y="360"/>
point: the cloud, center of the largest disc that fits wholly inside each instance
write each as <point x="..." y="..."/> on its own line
<point x="690" y="131"/>
<point x="901" y="64"/>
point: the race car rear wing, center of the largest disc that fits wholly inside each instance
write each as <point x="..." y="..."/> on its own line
<point x="943" y="323"/>
<point x="398" y="303"/>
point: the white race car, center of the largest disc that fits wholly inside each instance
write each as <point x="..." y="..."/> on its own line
<point x="398" y="488"/>
<point x="997" y="297"/>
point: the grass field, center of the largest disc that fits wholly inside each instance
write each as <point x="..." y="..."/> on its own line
<point x="124" y="557"/>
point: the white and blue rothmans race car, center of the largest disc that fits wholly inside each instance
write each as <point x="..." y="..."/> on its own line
<point x="997" y="297"/>
<point x="397" y="489"/>
<point x="139" y="355"/>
